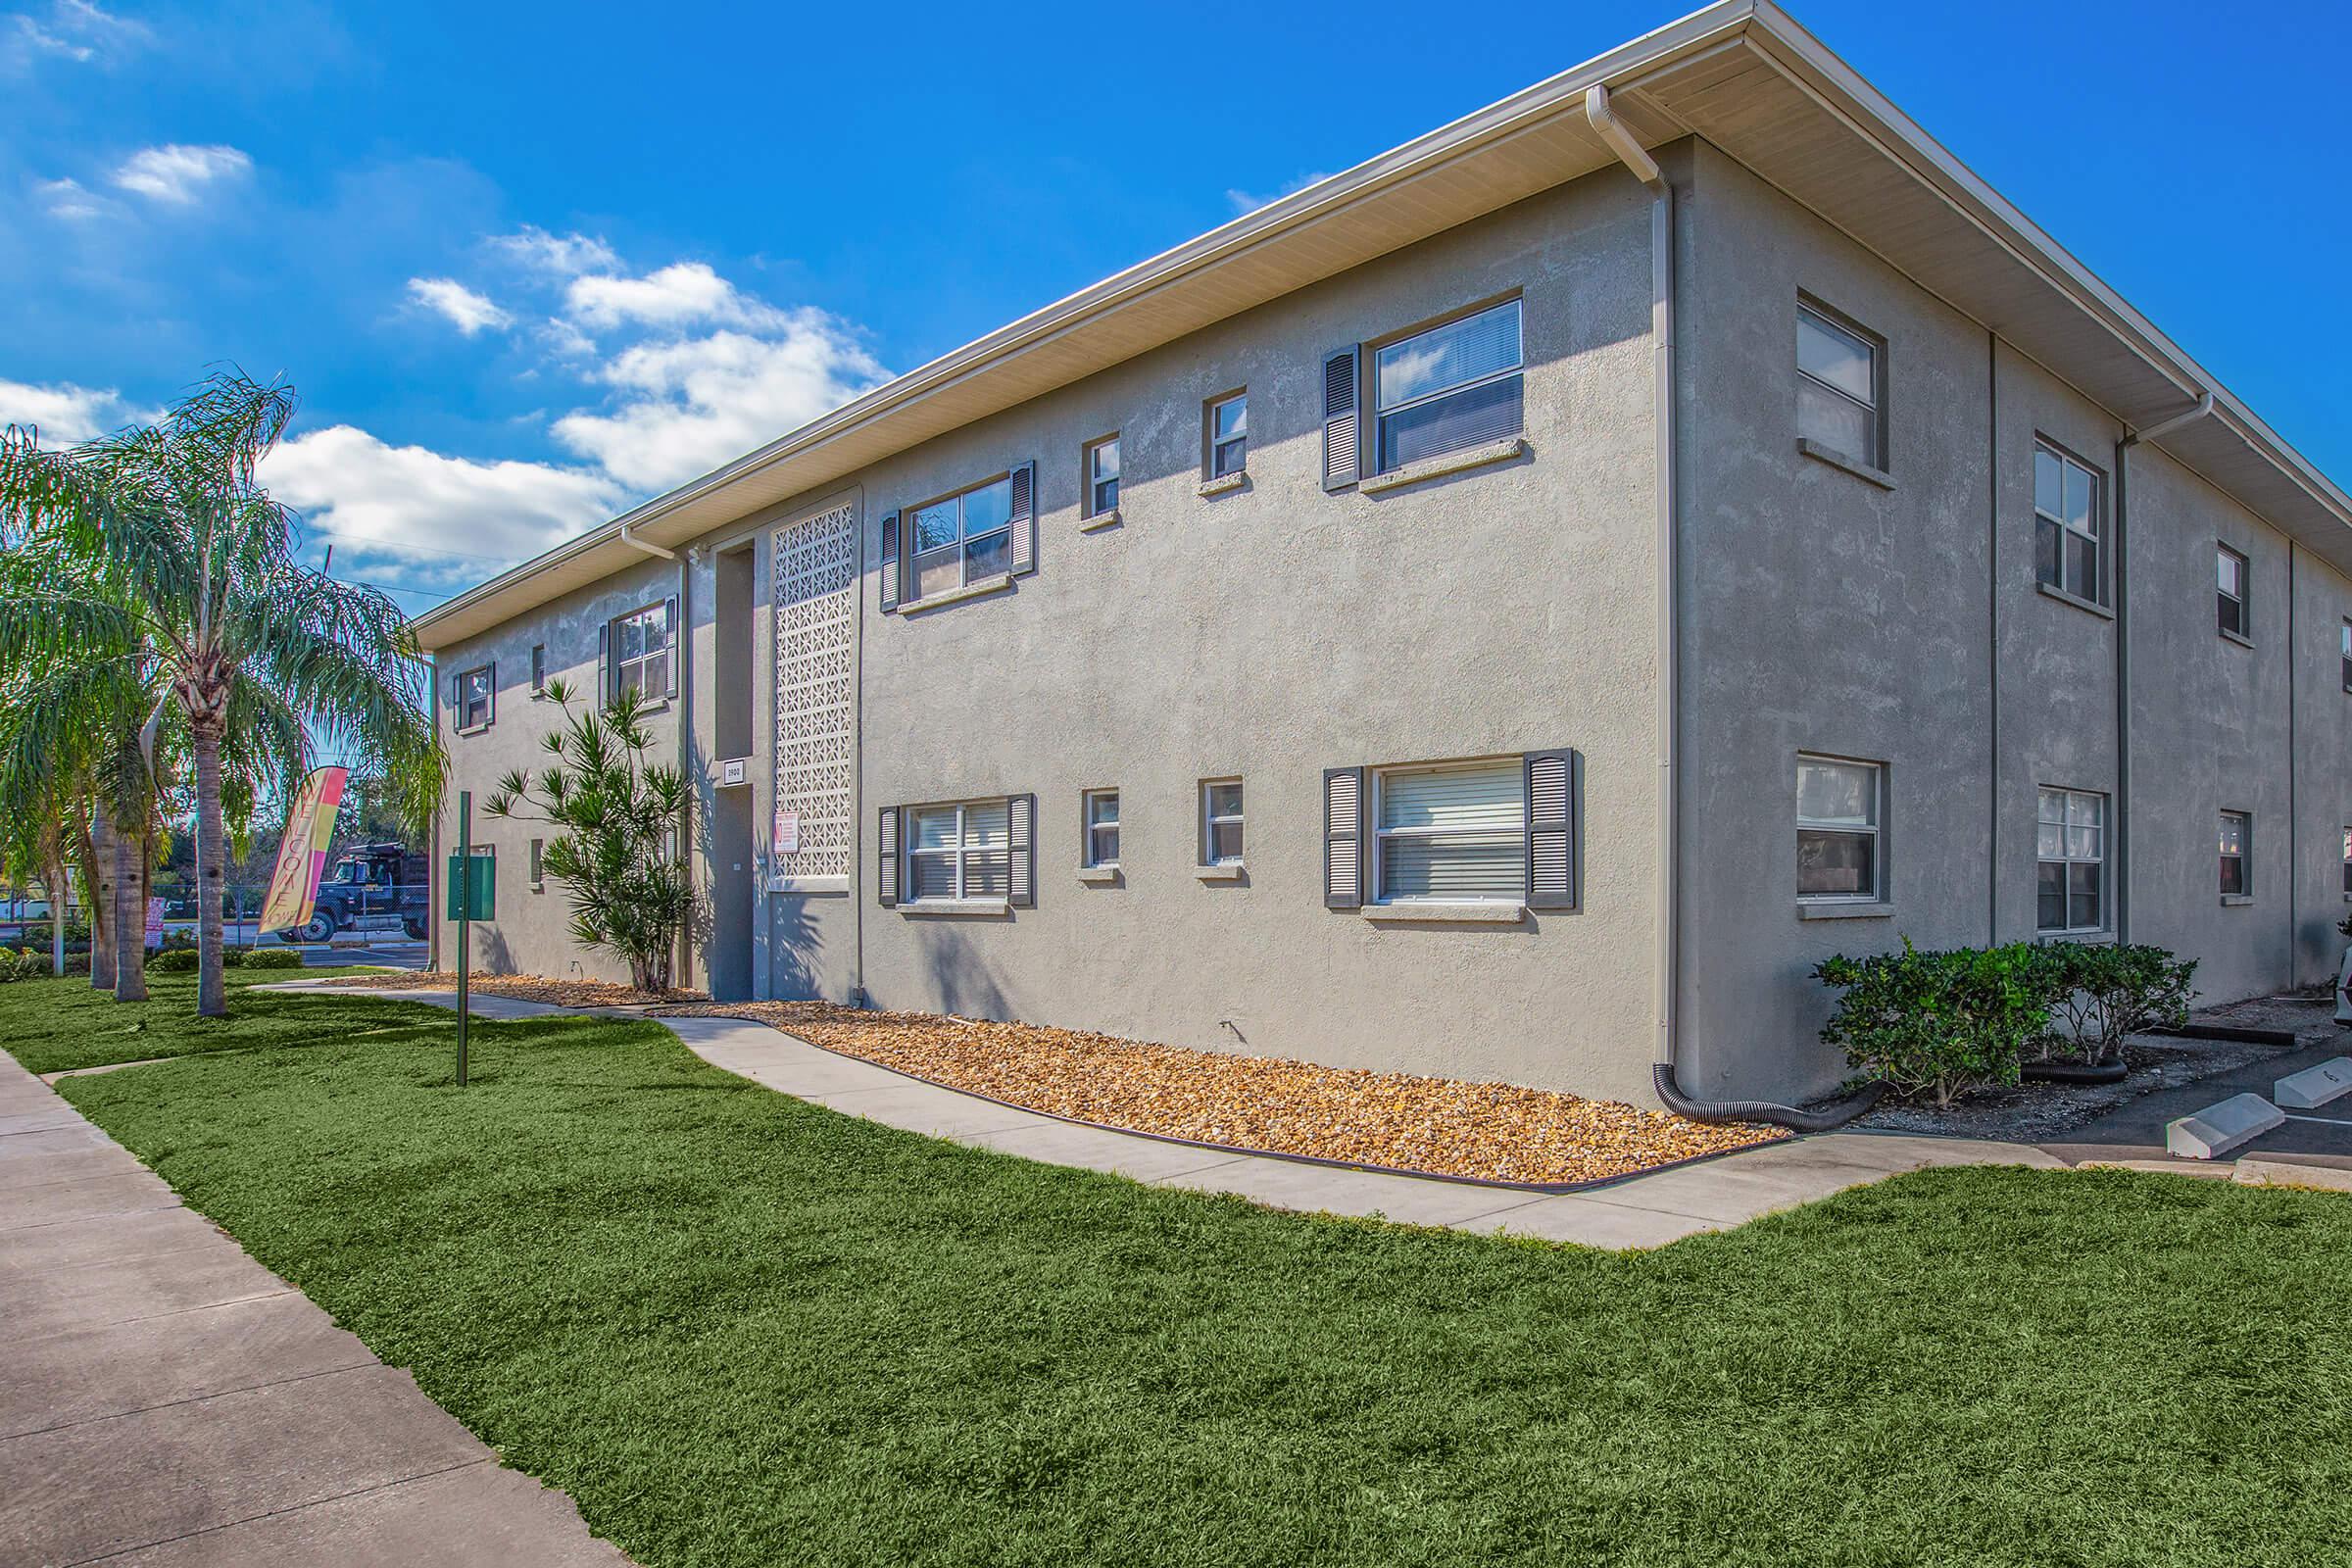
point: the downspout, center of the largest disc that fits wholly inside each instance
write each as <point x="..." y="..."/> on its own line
<point x="683" y="631"/>
<point x="2123" y="652"/>
<point x="635" y="543"/>
<point x="1667" y="954"/>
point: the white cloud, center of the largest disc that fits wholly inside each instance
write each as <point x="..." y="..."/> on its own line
<point x="560" y="255"/>
<point x="1245" y="203"/>
<point x="466" y="310"/>
<point x="680" y="294"/>
<point x="450" y="519"/>
<point x="65" y="414"/>
<point x="689" y="406"/>
<point x="78" y="31"/>
<point x="67" y="199"/>
<point x="175" y="173"/>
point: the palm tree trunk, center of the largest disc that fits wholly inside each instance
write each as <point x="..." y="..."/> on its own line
<point x="99" y="882"/>
<point x="130" y="917"/>
<point x="212" y="1000"/>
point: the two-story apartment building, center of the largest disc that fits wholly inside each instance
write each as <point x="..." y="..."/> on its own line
<point x="1506" y="611"/>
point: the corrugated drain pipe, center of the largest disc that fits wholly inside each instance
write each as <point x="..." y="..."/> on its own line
<point x="1667" y="954"/>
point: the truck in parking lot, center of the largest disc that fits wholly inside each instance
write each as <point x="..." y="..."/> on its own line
<point x="369" y="887"/>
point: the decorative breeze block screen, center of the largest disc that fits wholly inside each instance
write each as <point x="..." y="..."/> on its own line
<point x="815" y="576"/>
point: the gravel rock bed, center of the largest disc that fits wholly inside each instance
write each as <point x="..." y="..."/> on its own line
<point x="1489" y="1131"/>
<point x="521" y="987"/>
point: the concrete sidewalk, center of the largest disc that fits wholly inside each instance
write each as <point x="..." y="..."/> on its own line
<point x="1643" y="1211"/>
<point x="166" y="1401"/>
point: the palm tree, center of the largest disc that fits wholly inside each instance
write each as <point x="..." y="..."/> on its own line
<point x="189" y="565"/>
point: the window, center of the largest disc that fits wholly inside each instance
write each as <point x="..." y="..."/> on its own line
<point x="1227" y="424"/>
<point x="2236" y="620"/>
<point x="1102" y="811"/>
<point x="538" y="668"/>
<point x="1838" y="811"/>
<point x="959" y="851"/>
<point x="2237" y="849"/>
<point x="962" y="538"/>
<point x="538" y="876"/>
<point x="2348" y="862"/>
<point x="1222" y="822"/>
<point x="1102" y="476"/>
<point x="475" y="700"/>
<point x="641" y="652"/>
<point x="2071" y="854"/>
<point x="1453" y="386"/>
<point x="1452" y="833"/>
<point x="1838" y="388"/>
<point x="2347" y="634"/>
<point x="2067" y="530"/>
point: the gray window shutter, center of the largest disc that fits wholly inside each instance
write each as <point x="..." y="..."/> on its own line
<point x="1344" y="838"/>
<point x="1550" y="830"/>
<point x="890" y="561"/>
<point x="1341" y="446"/>
<point x="1024" y="518"/>
<point x="677" y="641"/>
<point x="1021" y="829"/>
<point x="603" y="663"/>
<point x="886" y="856"/>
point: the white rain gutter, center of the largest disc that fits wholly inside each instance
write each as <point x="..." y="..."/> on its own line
<point x="1666" y="956"/>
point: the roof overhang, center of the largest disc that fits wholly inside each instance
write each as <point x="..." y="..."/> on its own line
<point x="1740" y="74"/>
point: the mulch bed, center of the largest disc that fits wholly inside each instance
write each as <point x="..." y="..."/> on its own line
<point x="522" y="987"/>
<point x="1487" y="1131"/>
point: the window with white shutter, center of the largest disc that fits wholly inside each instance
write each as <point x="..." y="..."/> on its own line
<point x="1453" y="833"/>
<point x="959" y="851"/>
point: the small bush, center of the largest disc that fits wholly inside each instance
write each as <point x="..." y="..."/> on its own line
<point x="1937" y="1022"/>
<point x="2100" y="994"/>
<point x="272" y="959"/>
<point x="172" y="960"/>
<point x="21" y="964"/>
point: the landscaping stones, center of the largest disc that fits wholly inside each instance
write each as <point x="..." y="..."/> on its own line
<point x="1491" y="1131"/>
<point x="521" y="987"/>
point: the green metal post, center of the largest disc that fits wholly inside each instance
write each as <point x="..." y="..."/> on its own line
<point x="464" y="918"/>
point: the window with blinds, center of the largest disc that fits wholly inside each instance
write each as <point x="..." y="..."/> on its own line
<point x="1452" y="833"/>
<point x="959" y="851"/>
<point x="1453" y="386"/>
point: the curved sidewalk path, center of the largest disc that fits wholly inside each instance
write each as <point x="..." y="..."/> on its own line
<point x="167" y="1401"/>
<point x="1711" y="1195"/>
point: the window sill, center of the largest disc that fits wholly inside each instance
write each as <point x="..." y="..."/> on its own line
<point x="1461" y="462"/>
<point x="476" y="729"/>
<point x="818" y="886"/>
<point x="2233" y="900"/>
<point x="1857" y="909"/>
<point x="1436" y="911"/>
<point x="1838" y="459"/>
<point x="1101" y="876"/>
<point x="2052" y="591"/>
<point x="2087" y="939"/>
<point x="1226" y="871"/>
<point x="1100" y="522"/>
<point x="957" y="907"/>
<point x="997" y="584"/>
<point x="1222" y="487"/>
<point x="2237" y="637"/>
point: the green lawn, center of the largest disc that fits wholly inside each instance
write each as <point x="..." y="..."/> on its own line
<point x="740" y="1329"/>
<point x="53" y="1025"/>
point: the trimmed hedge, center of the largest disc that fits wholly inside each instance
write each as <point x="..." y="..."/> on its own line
<point x="272" y="959"/>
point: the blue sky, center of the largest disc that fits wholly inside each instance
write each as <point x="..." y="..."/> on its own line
<point x="529" y="264"/>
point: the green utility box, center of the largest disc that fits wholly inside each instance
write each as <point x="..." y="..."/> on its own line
<point x="480" y="884"/>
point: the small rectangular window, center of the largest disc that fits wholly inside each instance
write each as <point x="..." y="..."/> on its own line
<point x="538" y="876"/>
<point x="1102" y="476"/>
<point x="959" y="851"/>
<point x="1453" y="386"/>
<point x="2071" y="862"/>
<point x="1101" y="827"/>
<point x="538" y="668"/>
<point x="2235" y="615"/>
<point x="1838" y="388"/>
<point x="2347" y="636"/>
<point x="2237" y="853"/>
<point x="475" y="696"/>
<point x="962" y="538"/>
<point x="641" y="652"/>
<point x="1838" y="809"/>
<point x="1451" y="833"/>
<point x="1226" y="426"/>
<point x="2069" y="542"/>
<point x="1222" y="822"/>
<point x="2348" y="861"/>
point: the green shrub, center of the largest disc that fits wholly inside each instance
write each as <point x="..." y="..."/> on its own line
<point x="1937" y="1022"/>
<point x="172" y="960"/>
<point x="2101" y="992"/>
<point x="272" y="959"/>
<point x="21" y="964"/>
